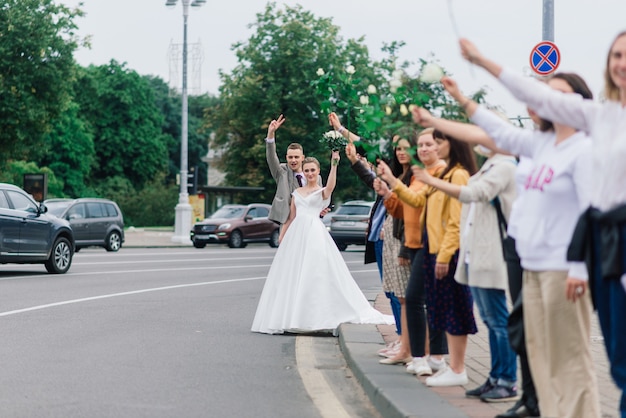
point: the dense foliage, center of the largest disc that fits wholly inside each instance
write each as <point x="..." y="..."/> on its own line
<point x="37" y="42"/>
<point x="107" y="131"/>
<point x="296" y="64"/>
<point x="272" y="77"/>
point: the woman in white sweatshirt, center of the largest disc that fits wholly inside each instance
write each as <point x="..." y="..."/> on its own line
<point x="605" y="232"/>
<point x="557" y="318"/>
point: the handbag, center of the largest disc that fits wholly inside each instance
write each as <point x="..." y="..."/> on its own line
<point x="515" y="323"/>
<point x="515" y="326"/>
<point x="508" y="243"/>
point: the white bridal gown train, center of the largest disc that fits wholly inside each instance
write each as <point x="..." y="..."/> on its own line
<point x="309" y="287"/>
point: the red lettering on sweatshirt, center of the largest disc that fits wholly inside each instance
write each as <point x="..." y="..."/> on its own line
<point x="539" y="178"/>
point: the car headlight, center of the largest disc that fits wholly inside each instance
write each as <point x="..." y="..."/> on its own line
<point x="223" y="226"/>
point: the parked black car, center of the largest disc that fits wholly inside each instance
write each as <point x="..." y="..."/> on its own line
<point x="236" y="225"/>
<point x="95" y="222"/>
<point x="29" y="235"/>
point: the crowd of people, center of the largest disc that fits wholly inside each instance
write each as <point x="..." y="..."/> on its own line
<point x="542" y="222"/>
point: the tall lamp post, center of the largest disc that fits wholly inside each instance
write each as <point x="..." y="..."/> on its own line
<point x="182" y="224"/>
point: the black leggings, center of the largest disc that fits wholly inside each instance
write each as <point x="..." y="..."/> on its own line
<point x="416" y="311"/>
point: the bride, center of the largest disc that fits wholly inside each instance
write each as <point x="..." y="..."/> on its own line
<point x="309" y="287"/>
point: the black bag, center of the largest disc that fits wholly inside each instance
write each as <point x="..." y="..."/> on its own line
<point x="515" y="326"/>
<point x="508" y="248"/>
<point x="508" y="243"/>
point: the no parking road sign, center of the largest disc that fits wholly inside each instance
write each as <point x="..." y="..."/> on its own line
<point x="545" y="58"/>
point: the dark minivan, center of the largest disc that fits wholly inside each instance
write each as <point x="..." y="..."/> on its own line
<point x="29" y="235"/>
<point x="95" y="222"/>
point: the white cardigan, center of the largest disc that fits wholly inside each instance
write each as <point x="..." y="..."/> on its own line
<point x="480" y="236"/>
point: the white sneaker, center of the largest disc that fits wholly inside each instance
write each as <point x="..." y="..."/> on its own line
<point x="419" y="367"/>
<point x="391" y="351"/>
<point x="447" y="377"/>
<point x="435" y="364"/>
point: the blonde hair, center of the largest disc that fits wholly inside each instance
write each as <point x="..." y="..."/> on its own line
<point x="426" y="132"/>
<point x="309" y="160"/>
<point x="611" y="91"/>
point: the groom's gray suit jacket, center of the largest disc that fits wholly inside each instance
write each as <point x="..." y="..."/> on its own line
<point x="286" y="183"/>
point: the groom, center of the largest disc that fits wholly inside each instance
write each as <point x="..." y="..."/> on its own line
<point x="288" y="176"/>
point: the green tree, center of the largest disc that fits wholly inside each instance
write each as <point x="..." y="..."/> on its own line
<point x="68" y="150"/>
<point x="170" y="105"/>
<point x="119" y="107"/>
<point x="153" y="205"/>
<point x="274" y="70"/>
<point x="15" y="170"/>
<point x="37" y="42"/>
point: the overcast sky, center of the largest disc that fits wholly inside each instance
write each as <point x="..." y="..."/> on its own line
<point x="139" y="33"/>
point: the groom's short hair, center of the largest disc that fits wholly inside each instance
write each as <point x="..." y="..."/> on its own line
<point x="295" y="145"/>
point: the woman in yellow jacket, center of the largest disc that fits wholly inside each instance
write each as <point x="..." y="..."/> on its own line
<point x="449" y="303"/>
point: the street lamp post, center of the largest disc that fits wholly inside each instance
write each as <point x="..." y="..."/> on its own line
<point x="182" y="224"/>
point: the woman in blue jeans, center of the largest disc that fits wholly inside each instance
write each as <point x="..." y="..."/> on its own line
<point x="481" y="261"/>
<point x="528" y="404"/>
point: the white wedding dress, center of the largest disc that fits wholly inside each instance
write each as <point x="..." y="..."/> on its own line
<point x="309" y="287"/>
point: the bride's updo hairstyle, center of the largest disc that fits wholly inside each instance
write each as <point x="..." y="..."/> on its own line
<point x="309" y="160"/>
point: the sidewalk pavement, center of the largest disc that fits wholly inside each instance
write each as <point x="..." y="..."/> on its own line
<point x="150" y="238"/>
<point x="396" y="393"/>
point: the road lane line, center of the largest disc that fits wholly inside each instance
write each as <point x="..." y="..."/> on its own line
<point x="90" y="273"/>
<point x="315" y="383"/>
<point x="113" y="295"/>
<point x="201" y="260"/>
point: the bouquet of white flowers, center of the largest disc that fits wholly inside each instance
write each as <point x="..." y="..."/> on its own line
<point x="334" y="140"/>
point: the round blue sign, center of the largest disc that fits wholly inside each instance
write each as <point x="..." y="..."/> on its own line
<point x="545" y="58"/>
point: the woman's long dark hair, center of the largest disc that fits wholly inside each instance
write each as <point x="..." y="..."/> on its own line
<point x="409" y="135"/>
<point x="460" y="153"/>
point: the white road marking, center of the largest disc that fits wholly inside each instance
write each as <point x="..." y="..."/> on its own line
<point x="133" y="292"/>
<point x="315" y="383"/>
<point x="91" y="273"/>
<point x="175" y="260"/>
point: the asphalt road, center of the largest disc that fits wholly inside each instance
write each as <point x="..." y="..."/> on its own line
<point x="163" y="332"/>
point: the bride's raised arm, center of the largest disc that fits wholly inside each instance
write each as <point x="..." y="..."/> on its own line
<point x="332" y="176"/>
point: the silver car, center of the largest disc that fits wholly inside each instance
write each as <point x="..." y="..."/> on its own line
<point x="349" y="224"/>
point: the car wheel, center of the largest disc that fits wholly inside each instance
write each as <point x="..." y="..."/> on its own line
<point x="274" y="239"/>
<point x="199" y="244"/>
<point x="342" y="246"/>
<point x="60" y="257"/>
<point x="114" y="241"/>
<point x="236" y="239"/>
